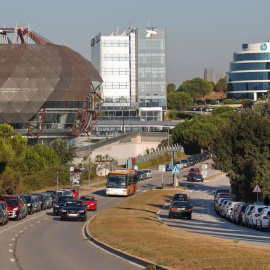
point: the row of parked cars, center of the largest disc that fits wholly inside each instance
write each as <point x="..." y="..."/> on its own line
<point x="190" y="161"/>
<point x="19" y="206"/>
<point x="144" y="174"/>
<point x="256" y="216"/>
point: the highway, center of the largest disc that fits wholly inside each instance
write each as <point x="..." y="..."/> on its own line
<point x="42" y="241"/>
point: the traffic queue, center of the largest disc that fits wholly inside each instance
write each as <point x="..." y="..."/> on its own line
<point x="19" y="206"/>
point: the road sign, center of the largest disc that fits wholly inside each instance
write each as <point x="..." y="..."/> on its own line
<point x="205" y="166"/>
<point x="175" y="169"/>
<point x="204" y="173"/>
<point x="257" y="189"/>
<point x="161" y="168"/>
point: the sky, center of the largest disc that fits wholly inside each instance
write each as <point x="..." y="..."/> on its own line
<point x="200" y="34"/>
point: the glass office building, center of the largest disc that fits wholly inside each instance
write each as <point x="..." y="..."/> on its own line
<point x="133" y="68"/>
<point x="249" y="75"/>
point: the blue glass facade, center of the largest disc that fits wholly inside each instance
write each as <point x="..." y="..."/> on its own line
<point x="249" y="75"/>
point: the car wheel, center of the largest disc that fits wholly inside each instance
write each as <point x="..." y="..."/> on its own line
<point x="63" y="219"/>
<point x="3" y="222"/>
<point x="84" y="218"/>
<point x="189" y="217"/>
<point x="170" y="216"/>
<point x="261" y="228"/>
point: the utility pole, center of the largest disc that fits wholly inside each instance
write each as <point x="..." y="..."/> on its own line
<point x="173" y="151"/>
<point x="89" y="165"/>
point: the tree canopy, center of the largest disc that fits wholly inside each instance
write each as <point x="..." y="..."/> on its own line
<point x="171" y="88"/>
<point x="221" y="85"/>
<point x="179" y="100"/>
<point x="64" y="152"/>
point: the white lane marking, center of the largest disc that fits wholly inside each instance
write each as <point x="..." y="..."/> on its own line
<point x="20" y="223"/>
<point x="10" y="250"/>
<point x="25" y="228"/>
<point x="11" y="245"/>
<point x="12" y="259"/>
<point x="16" y="235"/>
<point x="31" y="225"/>
<point x="38" y="221"/>
<point x="13" y="239"/>
<point x="21" y="231"/>
<point x="139" y="190"/>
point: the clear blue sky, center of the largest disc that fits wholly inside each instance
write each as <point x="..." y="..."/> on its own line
<point x="200" y="34"/>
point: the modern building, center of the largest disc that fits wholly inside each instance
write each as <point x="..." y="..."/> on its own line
<point x="249" y="75"/>
<point x="46" y="90"/>
<point x="133" y="68"/>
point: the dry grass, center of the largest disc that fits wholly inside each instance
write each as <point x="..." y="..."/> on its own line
<point x="132" y="226"/>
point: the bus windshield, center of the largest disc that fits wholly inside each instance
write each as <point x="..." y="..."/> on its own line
<point x="117" y="180"/>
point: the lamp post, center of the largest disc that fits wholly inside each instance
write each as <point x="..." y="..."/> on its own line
<point x="89" y="165"/>
<point x="123" y="121"/>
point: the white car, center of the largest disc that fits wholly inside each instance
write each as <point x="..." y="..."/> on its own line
<point x="252" y="222"/>
<point x="148" y="173"/>
<point x="262" y="220"/>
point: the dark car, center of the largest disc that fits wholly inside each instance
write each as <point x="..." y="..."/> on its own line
<point x="191" y="161"/>
<point x="15" y="205"/>
<point x="59" y="203"/>
<point x="195" y="177"/>
<point x="74" y="209"/>
<point x="37" y="203"/>
<point x="180" y="197"/>
<point x="25" y="205"/>
<point x="185" y="163"/>
<point x="2" y="216"/>
<point x="43" y="200"/>
<point x="168" y="167"/>
<point x="180" y="209"/>
<point x="5" y="209"/>
<point x="141" y="175"/>
<point x="30" y="203"/>
<point x="53" y="193"/>
<point x="240" y="213"/>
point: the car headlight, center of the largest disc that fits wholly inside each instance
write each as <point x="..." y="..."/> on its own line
<point x="81" y="211"/>
<point x="15" y="209"/>
<point x="56" y="205"/>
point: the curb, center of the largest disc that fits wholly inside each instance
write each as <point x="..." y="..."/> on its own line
<point x="142" y="263"/>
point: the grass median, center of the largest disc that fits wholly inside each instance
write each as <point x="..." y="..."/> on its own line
<point x="133" y="227"/>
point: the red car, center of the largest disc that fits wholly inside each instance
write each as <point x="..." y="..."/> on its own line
<point x="194" y="170"/>
<point x="74" y="191"/>
<point x="16" y="208"/>
<point x="90" y="202"/>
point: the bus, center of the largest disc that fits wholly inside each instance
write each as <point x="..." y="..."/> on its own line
<point x="122" y="182"/>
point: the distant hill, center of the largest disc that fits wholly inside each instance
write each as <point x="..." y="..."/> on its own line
<point x="214" y="96"/>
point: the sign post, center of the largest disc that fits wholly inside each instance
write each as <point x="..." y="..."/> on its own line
<point x="175" y="170"/>
<point x="57" y="179"/>
<point x="162" y="169"/>
<point x="257" y="190"/>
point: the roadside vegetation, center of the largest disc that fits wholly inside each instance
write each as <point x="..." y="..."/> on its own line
<point x="133" y="227"/>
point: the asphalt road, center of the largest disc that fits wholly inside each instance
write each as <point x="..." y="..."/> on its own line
<point x="42" y="241"/>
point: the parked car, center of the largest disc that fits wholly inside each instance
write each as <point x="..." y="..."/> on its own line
<point x="49" y="200"/>
<point x="25" y="212"/>
<point x="37" y="203"/>
<point x="194" y="170"/>
<point x="67" y="192"/>
<point x="186" y="163"/>
<point x="168" y="167"/>
<point x="246" y="216"/>
<point x="60" y="201"/>
<point x="227" y="191"/>
<point x="240" y="213"/>
<point x="191" y="161"/>
<point x="222" y="208"/>
<point x="53" y="193"/>
<point x="148" y="172"/>
<point x="89" y="201"/>
<point x="252" y="222"/>
<point x="233" y="214"/>
<point x="30" y="203"/>
<point x="195" y="177"/>
<point x="16" y="207"/>
<point x="141" y="175"/>
<point x="74" y="209"/>
<point x="180" y="209"/>
<point x="179" y="164"/>
<point x="5" y="210"/>
<point x="263" y="219"/>
<point x="2" y="216"/>
<point x="43" y="200"/>
<point x="180" y="197"/>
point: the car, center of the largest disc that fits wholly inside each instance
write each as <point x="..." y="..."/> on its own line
<point x="25" y="213"/>
<point x="30" y="203"/>
<point x="49" y="200"/>
<point x="180" y="209"/>
<point x="221" y="208"/>
<point x="141" y="175"/>
<point x="15" y="205"/>
<point x="194" y="170"/>
<point x="185" y="163"/>
<point x="254" y="215"/>
<point x="59" y="203"/>
<point x="191" y="161"/>
<point x="5" y="210"/>
<point x="2" y="216"/>
<point x="240" y="213"/>
<point x="89" y="201"/>
<point x="233" y="213"/>
<point x="195" y="177"/>
<point x="246" y="216"/>
<point x="75" y="192"/>
<point x="53" y="193"/>
<point x="37" y="203"/>
<point x="67" y="192"/>
<point x="263" y="219"/>
<point x="179" y="164"/>
<point x="218" y="204"/>
<point x="229" y="213"/>
<point x="225" y="190"/>
<point x="43" y="200"/>
<point x="148" y="172"/>
<point x="168" y="167"/>
<point x="74" y="209"/>
<point x="180" y="197"/>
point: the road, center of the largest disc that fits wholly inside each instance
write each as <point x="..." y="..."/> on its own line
<point x="42" y="241"/>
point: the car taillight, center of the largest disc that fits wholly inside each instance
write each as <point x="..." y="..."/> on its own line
<point x="188" y="209"/>
<point x="241" y="213"/>
<point x="173" y="199"/>
<point x="186" y="199"/>
<point x="265" y="217"/>
<point x="173" y="208"/>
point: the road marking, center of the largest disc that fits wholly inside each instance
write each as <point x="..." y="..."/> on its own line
<point x="13" y="239"/>
<point x="10" y="250"/>
<point x="25" y="228"/>
<point x="31" y="225"/>
<point x="38" y="221"/>
<point x="11" y="245"/>
<point x="139" y="190"/>
<point x="12" y="259"/>
<point x="21" y="231"/>
<point x="16" y="235"/>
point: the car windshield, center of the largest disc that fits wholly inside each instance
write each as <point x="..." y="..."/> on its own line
<point x="63" y="199"/>
<point x="12" y="202"/>
<point x="3" y="205"/>
<point x="27" y="198"/>
<point x="180" y="204"/>
<point x="73" y="204"/>
<point x="87" y="198"/>
<point x="117" y="180"/>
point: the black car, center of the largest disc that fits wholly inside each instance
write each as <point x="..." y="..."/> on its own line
<point x="180" y="197"/>
<point x="74" y="209"/>
<point x="2" y="217"/>
<point x="59" y="203"/>
<point x="180" y="209"/>
<point x="141" y="175"/>
<point x="195" y="177"/>
<point x="30" y="203"/>
<point x="37" y="203"/>
<point x="43" y="200"/>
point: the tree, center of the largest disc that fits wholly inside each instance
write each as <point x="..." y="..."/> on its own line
<point x="12" y="182"/>
<point x="64" y="152"/>
<point x="196" y="87"/>
<point x="171" y="88"/>
<point x="221" y="85"/>
<point x="179" y="100"/>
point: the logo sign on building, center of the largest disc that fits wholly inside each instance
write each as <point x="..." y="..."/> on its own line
<point x="150" y="33"/>
<point x="175" y="169"/>
<point x="263" y="47"/>
<point x="257" y="189"/>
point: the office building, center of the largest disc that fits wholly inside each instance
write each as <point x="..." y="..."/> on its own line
<point x="249" y="75"/>
<point x="133" y="68"/>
